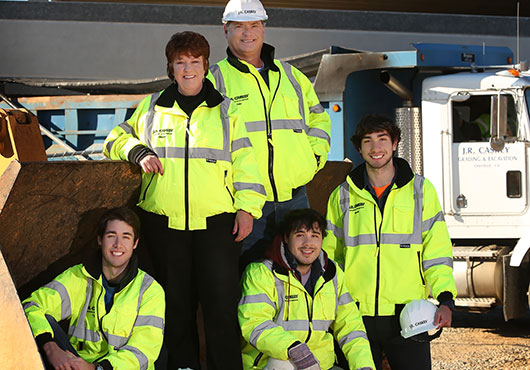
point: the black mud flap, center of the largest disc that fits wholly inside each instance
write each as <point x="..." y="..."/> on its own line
<point x="515" y="289"/>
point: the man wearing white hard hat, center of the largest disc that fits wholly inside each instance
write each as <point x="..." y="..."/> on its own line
<point x="287" y="126"/>
<point x="388" y="232"/>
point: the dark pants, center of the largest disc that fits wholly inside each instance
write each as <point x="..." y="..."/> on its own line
<point x="197" y="266"/>
<point x="265" y="229"/>
<point x="60" y="338"/>
<point x="402" y="354"/>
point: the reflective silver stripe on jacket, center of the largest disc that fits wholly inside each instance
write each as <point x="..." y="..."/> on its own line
<point x="257" y="298"/>
<point x="80" y="331"/>
<point x="258" y="188"/>
<point x="337" y="231"/>
<point x="66" y="304"/>
<point x="319" y="133"/>
<point x="196" y="153"/>
<point x="149" y="320"/>
<point x="219" y="79"/>
<point x="428" y="224"/>
<point x="298" y="89"/>
<point x="255" y="126"/>
<point x="317" y="109"/>
<point x="387" y="238"/>
<point x="447" y="261"/>
<point x="352" y="336"/>
<point x="128" y="130"/>
<point x="321" y="325"/>
<point x="241" y="143"/>
<point x="258" y="330"/>
<point x="140" y="356"/>
<point x="345" y="299"/>
<point x="149" y="120"/>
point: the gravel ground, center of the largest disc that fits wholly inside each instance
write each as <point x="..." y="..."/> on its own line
<point x="483" y="341"/>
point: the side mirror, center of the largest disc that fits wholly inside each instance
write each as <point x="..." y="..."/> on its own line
<point x="499" y="121"/>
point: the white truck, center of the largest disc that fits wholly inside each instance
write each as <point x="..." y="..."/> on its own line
<point x="464" y="115"/>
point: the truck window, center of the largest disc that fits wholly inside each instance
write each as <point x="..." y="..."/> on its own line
<point x="471" y="119"/>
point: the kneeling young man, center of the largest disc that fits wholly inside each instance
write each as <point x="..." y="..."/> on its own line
<point x="292" y="303"/>
<point x="115" y="311"/>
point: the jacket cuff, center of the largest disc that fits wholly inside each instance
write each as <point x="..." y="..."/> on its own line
<point x="44" y="338"/>
<point x="139" y="152"/>
<point x="444" y="297"/>
<point x="106" y="365"/>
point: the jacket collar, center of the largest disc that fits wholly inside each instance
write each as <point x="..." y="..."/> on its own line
<point x="168" y="97"/>
<point x="266" y="55"/>
<point x="403" y="176"/>
<point x="92" y="264"/>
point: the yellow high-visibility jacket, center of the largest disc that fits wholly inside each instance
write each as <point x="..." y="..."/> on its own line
<point x="392" y="258"/>
<point x="209" y="164"/>
<point x="276" y="311"/>
<point x="288" y="127"/>
<point x="129" y="336"/>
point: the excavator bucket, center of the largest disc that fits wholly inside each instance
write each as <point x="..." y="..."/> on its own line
<point x="17" y="347"/>
<point x="49" y="213"/>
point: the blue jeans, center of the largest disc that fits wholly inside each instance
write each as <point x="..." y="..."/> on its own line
<point x="265" y="229"/>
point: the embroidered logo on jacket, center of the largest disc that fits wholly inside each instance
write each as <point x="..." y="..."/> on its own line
<point x="240" y="99"/>
<point x="356" y="207"/>
<point x="291" y="298"/>
<point x="161" y="133"/>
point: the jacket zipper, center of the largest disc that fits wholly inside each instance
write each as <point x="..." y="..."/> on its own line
<point x="378" y="252"/>
<point x="186" y="173"/>
<point x="310" y="316"/>
<point x="269" y="134"/>
<point x="419" y="267"/>
<point x="148" y="185"/>
<point x="100" y="320"/>
<point x="226" y="186"/>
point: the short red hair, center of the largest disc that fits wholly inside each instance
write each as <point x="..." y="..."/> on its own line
<point x="188" y="43"/>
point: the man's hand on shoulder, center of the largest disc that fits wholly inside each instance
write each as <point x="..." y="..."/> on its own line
<point x="58" y="358"/>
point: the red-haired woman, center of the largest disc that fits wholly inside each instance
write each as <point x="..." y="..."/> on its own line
<point x="200" y="191"/>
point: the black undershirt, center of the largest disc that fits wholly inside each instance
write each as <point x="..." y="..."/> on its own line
<point x="189" y="103"/>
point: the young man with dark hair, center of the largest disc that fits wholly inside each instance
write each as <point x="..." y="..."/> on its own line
<point x="295" y="302"/>
<point x="387" y="230"/>
<point x="115" y="311"/>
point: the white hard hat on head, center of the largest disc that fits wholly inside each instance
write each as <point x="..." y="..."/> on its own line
<point x="275" y="364"/>
<point x="244" y="11"/>
<point x="417" y="317"/>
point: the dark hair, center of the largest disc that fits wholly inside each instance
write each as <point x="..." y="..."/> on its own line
<point x="123" y="214"/>
<point x="374" y="123"/>
<point x="305" y="217"/>
<point x="187" y="42"/>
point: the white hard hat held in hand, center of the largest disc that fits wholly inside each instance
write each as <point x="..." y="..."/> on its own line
<point x="244" y="11"/>
<point x="275" y="364"/>
<point x="417" y="318"/>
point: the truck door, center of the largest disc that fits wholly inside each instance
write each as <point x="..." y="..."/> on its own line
<point x="485" y="181"/>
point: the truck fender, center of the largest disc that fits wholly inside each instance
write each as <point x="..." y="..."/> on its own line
<point x="518" y="253"/>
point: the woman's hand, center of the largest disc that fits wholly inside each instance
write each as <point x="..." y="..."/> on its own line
<point x="242" y="225"/>
<point x="151" y="163"/>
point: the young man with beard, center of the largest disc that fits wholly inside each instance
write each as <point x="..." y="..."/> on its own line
<point x="387" y="230"/>
<point x="296" y="302"/>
